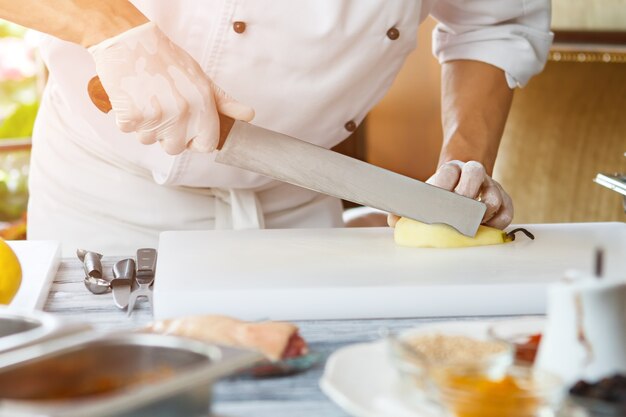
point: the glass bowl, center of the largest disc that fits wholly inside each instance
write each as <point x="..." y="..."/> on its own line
<point x="420" y="355"/>
<point x="522" y="392"/>
<point x="473" y="383"/>
<point x="524" y="334"/>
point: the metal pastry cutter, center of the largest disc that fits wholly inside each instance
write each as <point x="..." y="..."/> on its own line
<point x="142" y="286"/>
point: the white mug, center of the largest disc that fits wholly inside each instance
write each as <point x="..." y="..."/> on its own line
<point x="585" y="333"/>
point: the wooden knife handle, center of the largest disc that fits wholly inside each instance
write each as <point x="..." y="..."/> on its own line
<point x="98" y="96"/>
<point x="100" y="99"/>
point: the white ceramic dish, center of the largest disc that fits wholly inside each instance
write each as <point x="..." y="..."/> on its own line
<point x="362" y="381"/>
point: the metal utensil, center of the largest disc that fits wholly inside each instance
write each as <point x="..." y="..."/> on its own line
<point x="300" y="163"/>
<point x="145" y="375"/>
<point x="92" y="265"/>
<point x="91" y="262"/>
<point x="146" y="266"/>
<point x="97" y="285"/>
<point x="19" y="329"/>
<point x="121" y="284"/>
<point x="615" y="182"/>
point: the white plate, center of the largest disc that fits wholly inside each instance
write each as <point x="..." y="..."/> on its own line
<point x="363" y="382"/>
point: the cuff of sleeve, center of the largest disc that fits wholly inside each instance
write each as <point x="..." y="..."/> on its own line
<point x="130" y="33"/>
<point x="520" y="53"/>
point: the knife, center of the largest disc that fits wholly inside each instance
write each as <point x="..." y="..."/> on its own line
<point x="297" y="162"/>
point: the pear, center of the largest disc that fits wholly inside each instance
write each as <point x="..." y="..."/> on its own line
<point x="421" y="235"/>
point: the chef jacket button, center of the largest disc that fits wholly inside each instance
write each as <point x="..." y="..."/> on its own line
<point x="350" y="126"/>
<point x="239" y="27"/>
<point x="393" y="34"/>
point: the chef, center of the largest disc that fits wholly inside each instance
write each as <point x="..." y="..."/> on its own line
<point x="311" y="69"/>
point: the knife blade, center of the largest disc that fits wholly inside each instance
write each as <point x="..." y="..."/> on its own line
<point x="297" y="162"/>
<point x="306" y="165"/>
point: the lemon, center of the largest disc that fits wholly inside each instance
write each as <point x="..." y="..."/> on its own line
<point x="10" y="273"/>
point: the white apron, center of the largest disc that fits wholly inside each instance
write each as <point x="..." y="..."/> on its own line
<point x="310" y="68"/>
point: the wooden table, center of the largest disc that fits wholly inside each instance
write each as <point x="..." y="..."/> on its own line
<point x="297" y="395"/>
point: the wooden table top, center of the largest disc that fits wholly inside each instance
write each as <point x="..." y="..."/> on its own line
<point x="297" y="395"/>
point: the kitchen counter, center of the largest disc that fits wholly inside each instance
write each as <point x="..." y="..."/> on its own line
<point x="287" y="396"/>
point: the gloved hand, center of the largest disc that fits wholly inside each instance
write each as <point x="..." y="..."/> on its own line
<point x="471" y="180"/>
<point x="159" y="91"/>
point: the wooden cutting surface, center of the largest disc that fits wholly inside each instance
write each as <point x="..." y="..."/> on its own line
<point x="297" y="395"/>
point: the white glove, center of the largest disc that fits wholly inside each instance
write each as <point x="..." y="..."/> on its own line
<point x="159" y="91"/>
<point x="471" y="180"/>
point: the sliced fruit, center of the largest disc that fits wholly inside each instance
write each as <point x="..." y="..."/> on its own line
<point x="421" y="235"/>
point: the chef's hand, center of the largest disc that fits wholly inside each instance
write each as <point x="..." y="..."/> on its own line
<point x="159" y="91"/>
<point x="471" y="180"/>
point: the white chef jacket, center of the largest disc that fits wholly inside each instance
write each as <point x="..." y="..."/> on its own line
<point x="310" y="68"/>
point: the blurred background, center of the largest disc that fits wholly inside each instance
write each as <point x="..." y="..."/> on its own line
<point x="20" y="82"/>
<point x="566" y="126"/>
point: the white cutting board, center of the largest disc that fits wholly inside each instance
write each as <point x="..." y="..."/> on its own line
<point x="360" y="273"/>
<point x="39" y="261"/>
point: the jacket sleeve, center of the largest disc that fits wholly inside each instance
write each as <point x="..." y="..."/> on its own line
<point x="513" y="35"/>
